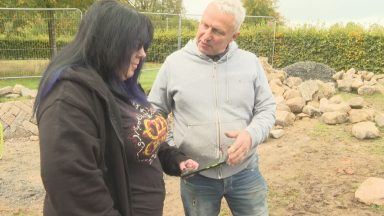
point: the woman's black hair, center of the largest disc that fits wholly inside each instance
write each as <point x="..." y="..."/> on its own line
<point x="108" y="35"/>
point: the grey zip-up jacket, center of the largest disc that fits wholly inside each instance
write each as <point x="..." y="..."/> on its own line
<point x="209" y="98"/>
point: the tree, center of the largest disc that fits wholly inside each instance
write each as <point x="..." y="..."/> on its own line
<point x="157" y="6"/>
<point x="262" y="8"/>
<point x="81" y="4"/>
<point x="49" y="14"/>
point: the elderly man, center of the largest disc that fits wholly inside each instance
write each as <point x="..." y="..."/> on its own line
<point x="223" y="108"/>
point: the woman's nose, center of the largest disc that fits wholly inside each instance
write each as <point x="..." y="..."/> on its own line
<point x="141" y="53"/>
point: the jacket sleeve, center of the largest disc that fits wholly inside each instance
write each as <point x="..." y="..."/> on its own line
<point x="161" y="98"/>
<point x="264" y="108"/>
<point x="70" y="154"/>
<point x="170" y="158"/>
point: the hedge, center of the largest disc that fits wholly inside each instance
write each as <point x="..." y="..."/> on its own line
<point x="339" y="48"/>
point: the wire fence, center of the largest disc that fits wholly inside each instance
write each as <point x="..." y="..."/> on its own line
<point x="30" y="36"/>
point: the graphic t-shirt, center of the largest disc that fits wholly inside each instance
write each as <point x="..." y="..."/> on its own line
<point x="144" y="131"/>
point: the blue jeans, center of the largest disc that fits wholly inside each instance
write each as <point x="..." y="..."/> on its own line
<point x="245" y="193"/>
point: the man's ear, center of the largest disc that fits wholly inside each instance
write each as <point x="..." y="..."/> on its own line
<point x="235" y="35"/>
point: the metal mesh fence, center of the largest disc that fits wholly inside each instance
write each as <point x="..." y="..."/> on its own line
<point x="29" y="37"/>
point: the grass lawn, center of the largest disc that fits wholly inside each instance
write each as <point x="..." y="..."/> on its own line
<point x="147" y="77"/>
<point x="31" y="83"/>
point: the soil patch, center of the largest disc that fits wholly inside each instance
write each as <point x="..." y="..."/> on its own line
<point x="314" y="169"/>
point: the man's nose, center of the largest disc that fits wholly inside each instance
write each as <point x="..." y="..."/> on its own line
<point x="207" y="36"/>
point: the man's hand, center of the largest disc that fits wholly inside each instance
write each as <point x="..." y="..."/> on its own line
<point x="240" y="148"/>
<point x="188" y="165"/>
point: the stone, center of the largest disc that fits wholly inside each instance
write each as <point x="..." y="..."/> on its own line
<point x="365" y="130"/>
<point x="311" y="111"/>
<point x="360" y="115"/>
<point x="5" y="91"/>
<point x="284" y="118"/>
<point x="308" y="89"/>
<point x="356" y="102"/>
<point x="326" y="90"/>
<point x="293" y="81"/>
<point x="338" y="75"/>
<point x="337" y="99"/>
<point x="276" y="134"/>
<point x="344" y="85"/>
<point x="291" y="93"/>
<point x="356" y="84"/>
<point x="371" y="191"/>
<point x="17" y="89"/>
<point x="366" y="90"/>
<point x="333" y="118"/>
<point x="296" y="104"/>
<point x="349" y="74"/>
<point x="326" y="106"/>
<point x="283" y="107"/>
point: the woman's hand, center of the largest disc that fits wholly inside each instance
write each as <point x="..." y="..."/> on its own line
<point x="188" y="165"/>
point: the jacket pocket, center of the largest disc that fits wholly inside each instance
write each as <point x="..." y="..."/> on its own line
<point x="207" y="142"/>
<point x="235" y="125"/>
<point x="200" y="141"/>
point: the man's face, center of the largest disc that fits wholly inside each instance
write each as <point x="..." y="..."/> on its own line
<point x="216" y="31"/>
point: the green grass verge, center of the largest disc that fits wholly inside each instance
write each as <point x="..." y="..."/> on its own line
<point x="146" y="79"/>
<point x="31" y="83"/>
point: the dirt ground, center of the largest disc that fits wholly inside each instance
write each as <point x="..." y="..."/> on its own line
<point x="314" y="169"/>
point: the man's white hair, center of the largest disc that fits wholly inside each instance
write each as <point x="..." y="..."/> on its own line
<point x="233" y="7"/>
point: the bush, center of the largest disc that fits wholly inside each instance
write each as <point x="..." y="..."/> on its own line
<point x="339" y="47"/>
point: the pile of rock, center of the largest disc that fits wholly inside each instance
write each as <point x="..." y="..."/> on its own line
<point x="297" y="99"/>
<point x="310" y="70"/>
<point x="362" y="82"/>
<point x="16" y="116"/>
<point x="17" y="120"/>
<point x="17" y="91"/>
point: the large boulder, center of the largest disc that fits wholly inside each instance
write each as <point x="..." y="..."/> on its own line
<point x="307" y="70"/>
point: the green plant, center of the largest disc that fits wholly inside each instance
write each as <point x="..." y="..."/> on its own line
<point x="377" y="208"/>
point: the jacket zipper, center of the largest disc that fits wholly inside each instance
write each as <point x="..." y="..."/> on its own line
<point x="218" y="124"/>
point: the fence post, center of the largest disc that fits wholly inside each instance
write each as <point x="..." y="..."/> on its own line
<point x="179" y="34"/>
<point x="52" y="32"/>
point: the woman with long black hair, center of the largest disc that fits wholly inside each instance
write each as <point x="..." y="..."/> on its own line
<point x="102" y="145"/>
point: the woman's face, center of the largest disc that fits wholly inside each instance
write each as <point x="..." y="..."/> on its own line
<point x="136" y="58"/>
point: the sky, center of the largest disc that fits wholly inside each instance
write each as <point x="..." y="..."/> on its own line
<point x="317" y="12"/>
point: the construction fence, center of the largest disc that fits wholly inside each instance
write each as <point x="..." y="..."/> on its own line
<point x="29" y="37"/>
